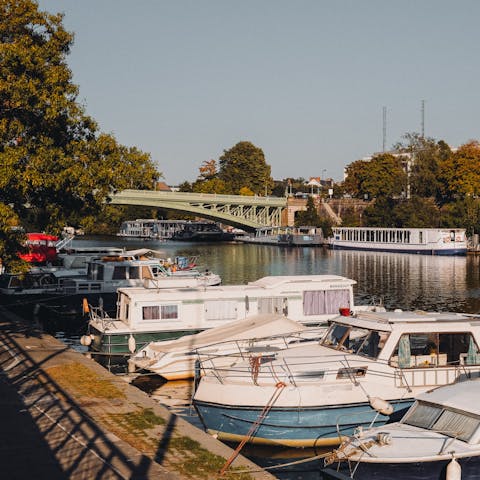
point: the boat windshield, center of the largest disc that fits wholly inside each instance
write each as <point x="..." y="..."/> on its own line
<point x="443" y="420"/>
<point x="360" y="341"/>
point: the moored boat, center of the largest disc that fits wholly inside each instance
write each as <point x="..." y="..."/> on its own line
<point x="438" y="438"/>
<point x="432" y="241"/>
<point x="145" y="315"/>
<point x="367" y="369"/>
<point x="63" y="289"/>
<point x="177" y="359"/>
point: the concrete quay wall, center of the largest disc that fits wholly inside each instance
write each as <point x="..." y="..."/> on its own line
<point x="65" y="417"/>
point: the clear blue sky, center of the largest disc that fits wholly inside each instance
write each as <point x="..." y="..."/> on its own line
<point x="304" y="80"/>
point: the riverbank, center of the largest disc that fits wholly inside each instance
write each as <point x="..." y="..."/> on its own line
<point x="64" y="416"/>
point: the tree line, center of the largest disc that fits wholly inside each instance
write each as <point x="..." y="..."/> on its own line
<point x="57" y="167"/>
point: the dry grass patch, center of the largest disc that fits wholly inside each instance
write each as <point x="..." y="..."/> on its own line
<point x="84" y="381"/>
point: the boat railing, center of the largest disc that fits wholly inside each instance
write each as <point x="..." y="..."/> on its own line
<point x="244" y="348"/>
<point x="260" y="367"/>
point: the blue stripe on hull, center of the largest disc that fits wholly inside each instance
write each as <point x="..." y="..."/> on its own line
<point x="412" y="471"/>
<point x="307" y="425"/>
<point x="429" y="251"/>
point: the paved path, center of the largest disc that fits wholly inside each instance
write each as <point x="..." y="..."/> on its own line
<point x="50" y="429"/>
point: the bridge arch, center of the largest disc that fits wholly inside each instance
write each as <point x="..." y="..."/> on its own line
<point x="239" y="211"/>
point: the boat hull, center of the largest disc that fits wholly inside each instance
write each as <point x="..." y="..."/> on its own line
<point x="418" y="251"/>
<point x="294" y="427"/>
<point x="412" y="471"/>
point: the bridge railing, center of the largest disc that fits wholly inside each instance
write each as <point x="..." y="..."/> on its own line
<point x="205" y="197"/>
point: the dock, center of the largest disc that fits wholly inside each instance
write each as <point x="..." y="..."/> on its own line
<point x="64" y="416"/>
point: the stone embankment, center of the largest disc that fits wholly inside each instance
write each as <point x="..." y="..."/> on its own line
<point x="65" y="417"/>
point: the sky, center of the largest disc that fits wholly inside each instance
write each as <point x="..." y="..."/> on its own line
<point x="306" y="81"/>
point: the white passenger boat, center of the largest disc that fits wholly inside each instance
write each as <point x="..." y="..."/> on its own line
<point x="368" y="368"/>
<point x="145" y="315"/>
<point x="432" y="241"/>
<point x="437" y="439"/>
<point x="176" y="359"/>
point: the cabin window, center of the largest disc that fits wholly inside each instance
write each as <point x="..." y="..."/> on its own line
<point x="160" y="312"/>
<point x="320" y="302"/>
<point x="435" y="349"/>
<point x="351" y="372"/>
<point x="95" y="271"/>
<point x="169" y="311"/>
<point x="119" y="273"/>
<point x="271" y="305"/>
<point x="133" y="273"/>
<point x="422" y="415"/>
<point x="360" y="341"/>
<point x="220" y="310"/>
<point x="443" y="420"/>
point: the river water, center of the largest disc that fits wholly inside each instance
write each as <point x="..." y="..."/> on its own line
<point x="403" y="281"/>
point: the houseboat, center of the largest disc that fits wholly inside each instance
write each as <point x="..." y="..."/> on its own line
<point x="202" y="232"/>
<point x="150" y="228"/>
<point x="368" y="368"/>
<point x="431" y="241"/>
<point x="145" y="315"/>
<point x="437" y="439"/>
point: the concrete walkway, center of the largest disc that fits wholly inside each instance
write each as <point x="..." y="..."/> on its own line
<point x="63" y="416"/>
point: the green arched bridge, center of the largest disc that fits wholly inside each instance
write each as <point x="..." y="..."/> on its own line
<point x="239" y="211"/>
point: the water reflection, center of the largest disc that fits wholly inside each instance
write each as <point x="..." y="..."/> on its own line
<point x="401" y="280"/>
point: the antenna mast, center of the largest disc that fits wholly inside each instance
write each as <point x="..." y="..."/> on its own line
<point x="423" y="118"/>
<point x="384" y="128"/>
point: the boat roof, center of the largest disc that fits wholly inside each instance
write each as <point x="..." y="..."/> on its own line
<point x="303" y="282"/>
<point x="461" y="396"/>
<point x="257" y="326"/>
<point x="388" y="320"/>
<point x="276" y="280"/>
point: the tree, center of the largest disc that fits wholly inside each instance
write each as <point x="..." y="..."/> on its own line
<point x="54" y="164"/>
<point x="244" y="165"/>
<point x="460" y="172"/>
<point x="417" y="212"/>
<point x="426" y="155"/>
<point x="208" y="181"/>
<point x="382" y="176"/>
<point x="309" y="216"/>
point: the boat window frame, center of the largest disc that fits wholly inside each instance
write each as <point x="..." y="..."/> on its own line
<point x="435" y="356"/>
<point x="442" y="411"/>
<point x="358" y="350"/>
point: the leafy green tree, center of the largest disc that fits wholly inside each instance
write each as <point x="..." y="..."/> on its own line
<point x="309" y="216"/>
<point x="244" y="165"/>
<point x="417" y="212"/>
<point x="426" y="155"/>
<point x="380" y="213"/>
<point x="462" y="213"/>
<point x="54" y="164"/>
<point x="382" y="176"/>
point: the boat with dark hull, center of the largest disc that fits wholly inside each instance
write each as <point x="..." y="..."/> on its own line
<point x="437" y="439"/>
<point x="202" y="232"/>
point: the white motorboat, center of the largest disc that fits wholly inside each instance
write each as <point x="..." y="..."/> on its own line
<point x="438" y="438"/>
<point x="176" y="359"/>
<point x="368" y="368"/>
<point x="145" y="315"/>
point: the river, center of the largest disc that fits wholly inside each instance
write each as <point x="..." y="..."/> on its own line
<point x="403" y="281"/>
